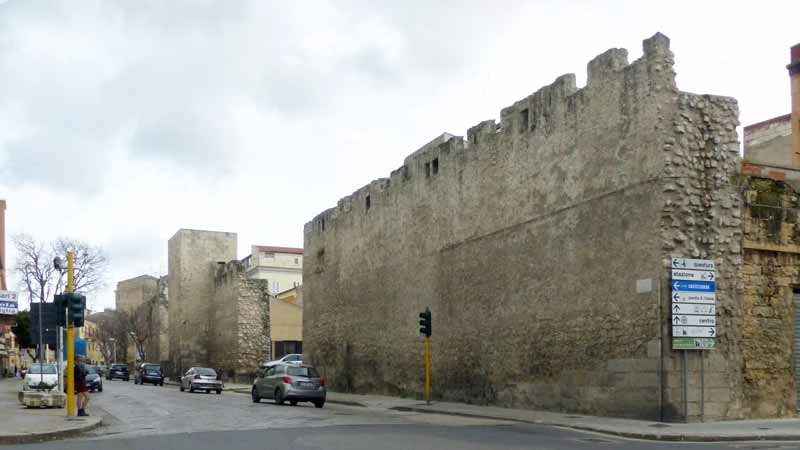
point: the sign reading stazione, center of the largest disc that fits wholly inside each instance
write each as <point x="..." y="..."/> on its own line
<point x="694" y="304"/>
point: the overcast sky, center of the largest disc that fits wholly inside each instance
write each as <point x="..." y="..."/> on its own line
<point x="123" y="121"/>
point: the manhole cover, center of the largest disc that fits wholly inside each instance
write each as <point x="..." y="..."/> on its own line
<point x="764" y="428"/>
<point x="574" y="417"/>
<point x="659" y="425"/>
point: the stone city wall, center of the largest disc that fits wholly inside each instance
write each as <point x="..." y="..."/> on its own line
<point x="192" y="258"/>
<point x="526" y="240"/>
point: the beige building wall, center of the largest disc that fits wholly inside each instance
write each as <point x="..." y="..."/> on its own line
<point x="281" y="266"/>
<point x="286" y="317"/>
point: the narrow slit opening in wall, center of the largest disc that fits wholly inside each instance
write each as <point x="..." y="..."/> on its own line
<point x="368" y="202"/>
<point x="435" y="166"/>
<point x="323" y="224"/>
<point x="523" y="120"/>
<point x="427" y="169"/>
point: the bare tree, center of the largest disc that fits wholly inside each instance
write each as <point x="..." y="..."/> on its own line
<point x="111" y="333"/>
<point x="40" y="280"/>
<point x="140" y="327"/>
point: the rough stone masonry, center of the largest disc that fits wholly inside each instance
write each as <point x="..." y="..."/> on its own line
<point x="526" y="240"/>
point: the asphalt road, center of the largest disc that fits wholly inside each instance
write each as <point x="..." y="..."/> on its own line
<point x="151" y="418"/>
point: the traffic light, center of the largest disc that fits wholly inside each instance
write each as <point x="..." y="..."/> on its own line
<point x="77" y="308"/>
<point x="60" y="304"/>
<point x="425" y="322"/>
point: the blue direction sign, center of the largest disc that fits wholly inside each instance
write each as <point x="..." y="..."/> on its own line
<point x="694" y="286"/>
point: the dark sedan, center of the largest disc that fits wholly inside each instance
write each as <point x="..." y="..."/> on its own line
<point x="119" y="371"/>
<point x="149" y="373"/>
<point x="94" y="382"/>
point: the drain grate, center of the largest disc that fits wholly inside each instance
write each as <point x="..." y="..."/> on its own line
<point x="659" y="425"/>
<point x="764" y="428"/>
<point x="573" y="417"/>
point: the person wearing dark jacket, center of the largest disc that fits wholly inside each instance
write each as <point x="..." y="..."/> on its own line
<point x="82" y="393"/>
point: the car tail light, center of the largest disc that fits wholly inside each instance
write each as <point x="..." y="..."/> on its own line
<point x="322" y="382"/>
<point x="287" y="380"/>
<point x="197" y="376"/>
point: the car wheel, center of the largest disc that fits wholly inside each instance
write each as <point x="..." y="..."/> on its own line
<point x="278" y="396"/>
<point x="254" y="396"/>
<point x="191" y="389"/>
<point x="162" y="384"/>
<point x="100" y="389"/>
<point x="182" y="387"/>
<point x="219" y="391"/>
<point x="293" y="402"/>
<point x="319" y="404"/>
<point x="208" y="391"/>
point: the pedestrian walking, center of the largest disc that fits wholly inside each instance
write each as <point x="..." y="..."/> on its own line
<point x="80" y="387"/>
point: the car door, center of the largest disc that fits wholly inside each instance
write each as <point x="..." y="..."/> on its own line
<point x="268" y="382"/>
<point x="187" y="376"/>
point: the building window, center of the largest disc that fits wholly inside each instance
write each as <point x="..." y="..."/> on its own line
<point x="296" y="283"/>
<point x="276" y="286"/>
<point x="297" y="260"/>
<point x="523" y="121"/>
<point x="427" y="169"/>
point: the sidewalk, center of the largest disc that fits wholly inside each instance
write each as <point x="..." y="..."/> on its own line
<point x="19" y="425"/>
<point x="740" y="430"/>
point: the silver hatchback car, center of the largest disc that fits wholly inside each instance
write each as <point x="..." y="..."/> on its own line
<point x="201" y="379"/>
<point x="289" y="382"/>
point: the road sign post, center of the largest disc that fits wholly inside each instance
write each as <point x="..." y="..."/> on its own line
<point x="70" y="344"/>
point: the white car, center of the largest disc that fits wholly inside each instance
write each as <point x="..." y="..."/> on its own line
<point x="293" y="358"/>
<point x="45" y="374"/>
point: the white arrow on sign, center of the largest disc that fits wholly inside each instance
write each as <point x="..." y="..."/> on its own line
<point x="694" y="297"/>
<point x="694" y="321"/>
<point x="688" y="331"/>
<point x="693" y="275"/>
<point x="693" y="264"/>
<point x="694" y="309"/>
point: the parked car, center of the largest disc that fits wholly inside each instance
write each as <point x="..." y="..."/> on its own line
<point x="201" y="379"/>
<point x="94" y="382"/>
<point x="293" y="358"/>
<point x="40" y="377"/>
<point x="289" y="382"/>
<point x="149" y="373"/>
<point x="118" y="371"/>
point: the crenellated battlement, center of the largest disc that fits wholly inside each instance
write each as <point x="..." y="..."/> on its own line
<point x="551" y="109"/>
<point x="531" y="233"/>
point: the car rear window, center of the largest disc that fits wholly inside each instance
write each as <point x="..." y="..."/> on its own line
<point x="156" y="368"/>
<point x="91" y="369"/>
<point x="47" y="369"/>
<point x="207" y="372"/>
<point x="308" y="372"/>
<point x="119" y="366"/>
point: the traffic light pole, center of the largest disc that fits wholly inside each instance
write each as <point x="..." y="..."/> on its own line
<point x="428" y="369"/>
<point x="70" y="344"/>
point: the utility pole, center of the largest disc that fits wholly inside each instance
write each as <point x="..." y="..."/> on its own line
<point x="70" y="343"/>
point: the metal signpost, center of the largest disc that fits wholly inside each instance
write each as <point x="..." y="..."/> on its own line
<point x="694" y="314"/>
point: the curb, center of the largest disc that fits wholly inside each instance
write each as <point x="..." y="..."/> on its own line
<point x="49" y="435"/>
<point x="625" y="434"/>
<point x="345" y="402"/>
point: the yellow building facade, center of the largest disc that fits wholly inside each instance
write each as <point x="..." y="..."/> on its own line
<point x="286" y="322"/>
